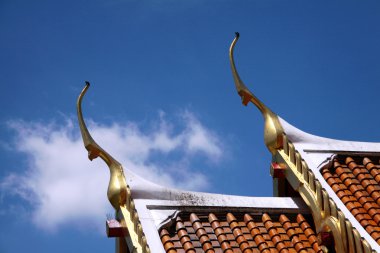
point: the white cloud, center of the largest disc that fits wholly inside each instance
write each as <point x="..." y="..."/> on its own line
<point x="64" y="187"/>
<point x="200" y="139"/>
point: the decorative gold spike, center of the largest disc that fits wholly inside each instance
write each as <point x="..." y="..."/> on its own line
<point x="350" y="237"/>
<point x="273" y="130"/>
<point x="117" y="187"/>
<point x="342" y="225"/>
<point x="358" y="241"/>
<point x="285" y="144"/>
<point x="332" y="224"/>
<point x="318" y="193"/>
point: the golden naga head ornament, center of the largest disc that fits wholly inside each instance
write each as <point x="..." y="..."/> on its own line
<point x="273" y="130"/>
<point x="117" y="187"/>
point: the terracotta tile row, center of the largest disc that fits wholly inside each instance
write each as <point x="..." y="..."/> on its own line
<point x="239" y="232"/>
<point x="355" y="180"/>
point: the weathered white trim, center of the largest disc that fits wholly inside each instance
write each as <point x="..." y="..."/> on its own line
<point x="316" y="144"/>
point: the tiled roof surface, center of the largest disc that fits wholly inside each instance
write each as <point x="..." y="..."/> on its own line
<point x="239" y="232"/>
<point x="355" y="181"/>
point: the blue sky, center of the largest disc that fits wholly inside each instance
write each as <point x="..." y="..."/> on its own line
<point x="163" y="102"/>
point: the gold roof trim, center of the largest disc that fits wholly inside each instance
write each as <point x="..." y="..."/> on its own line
<point x="272" y="127"/>
<point x="327" y="216"/>
<point x="119" y="193"/>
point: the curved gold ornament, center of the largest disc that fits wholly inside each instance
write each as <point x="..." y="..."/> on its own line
<point x="117" y="186"/>
<point x="332" y="224"/>
<point x="273" y="130"/>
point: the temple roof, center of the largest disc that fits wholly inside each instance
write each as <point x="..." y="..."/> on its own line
<point x="239" y="232"/>
<point x="335" y="196"/>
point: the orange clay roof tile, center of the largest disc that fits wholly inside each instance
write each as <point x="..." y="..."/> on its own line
<point x="201" y="234"/>
<point x="167" y="242"/>
<point x="355" y="180"/>
<point x="219" y="232"/>
<point x="240" y="232"/>
<point x="184" y="237"/>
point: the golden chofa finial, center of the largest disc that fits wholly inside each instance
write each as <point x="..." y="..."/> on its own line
<point x="272" y="127"/>
<point x="117" y="187"/>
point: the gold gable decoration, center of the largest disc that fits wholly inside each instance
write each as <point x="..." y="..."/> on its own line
<point x="119" y="193"/>
<point x="327" y="217"/>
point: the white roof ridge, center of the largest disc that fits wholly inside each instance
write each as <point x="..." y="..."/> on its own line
<point x="313" y="143"/>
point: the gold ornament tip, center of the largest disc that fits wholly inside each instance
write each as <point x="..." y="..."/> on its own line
<point x="273" y="129"/>
<point x="83" y="92"/>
